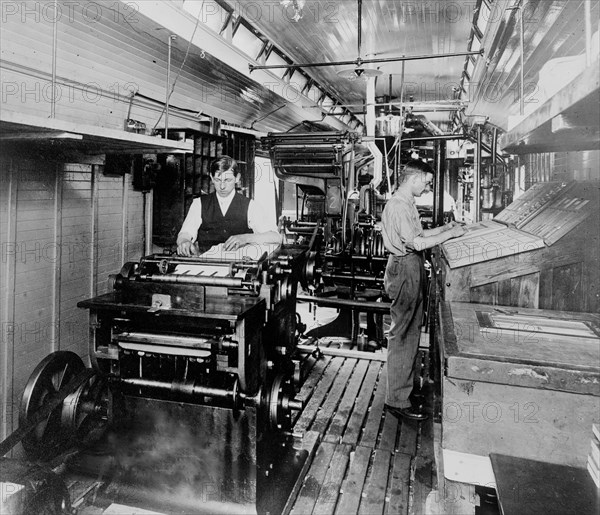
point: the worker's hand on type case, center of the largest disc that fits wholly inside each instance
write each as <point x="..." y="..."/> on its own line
<point x="187" y="249"/>
<point x="451" y="225"/>
<point x="236" y="241"/>
<point x="456" y="231"/>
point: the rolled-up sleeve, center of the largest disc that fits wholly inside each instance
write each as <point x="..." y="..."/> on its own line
<point x="192" y="221"/>
<point x="258" y="221"/>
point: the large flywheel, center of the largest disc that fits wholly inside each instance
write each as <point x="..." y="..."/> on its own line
<point x="71" y="400"/>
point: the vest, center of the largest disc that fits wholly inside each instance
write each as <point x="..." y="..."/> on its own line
<point x="216" y="227"/>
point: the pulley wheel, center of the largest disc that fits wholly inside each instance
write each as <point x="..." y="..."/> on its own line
<point x="308" y="272"/>
<point x="286" y="291"/>
<point x="53" y="373"/>
<point x="279" y="395"/>
<point x="363" y="245"/>
<point x="379" y="248"/>
<point x="84" y="412"/>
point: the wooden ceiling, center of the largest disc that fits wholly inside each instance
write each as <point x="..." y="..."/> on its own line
<point x="329" y="32"/>
<point x="326" y="31"/>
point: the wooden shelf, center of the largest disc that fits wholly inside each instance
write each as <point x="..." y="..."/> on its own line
<point x="22" y="129"/>
<point x="577" y="129"/>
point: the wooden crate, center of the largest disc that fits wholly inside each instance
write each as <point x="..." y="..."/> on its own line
<point x="516" y="392"/>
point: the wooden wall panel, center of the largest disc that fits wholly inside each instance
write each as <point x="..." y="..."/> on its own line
<point x="34" y="300"/>
<point x="75" y="255"/>
<point x="7" y="228"/>
<point x="109" y="228"/>
<point x="98" y="63"/>
<point x="62" y="232"/>
<point x="135" y="224"/>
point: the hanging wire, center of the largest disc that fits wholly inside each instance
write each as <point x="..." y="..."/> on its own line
<point x="187" y="51"/>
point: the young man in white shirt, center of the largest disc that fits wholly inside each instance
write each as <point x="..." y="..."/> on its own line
<point x="224" y="216"/>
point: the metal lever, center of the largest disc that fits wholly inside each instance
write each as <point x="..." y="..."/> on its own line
<point x="160" y="301"/>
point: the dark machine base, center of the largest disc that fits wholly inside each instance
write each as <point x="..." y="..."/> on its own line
<point x="182" y="458"/>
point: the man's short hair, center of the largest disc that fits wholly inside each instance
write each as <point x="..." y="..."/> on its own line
<point x="224" y="164"/>
<point x="413" y="167"/>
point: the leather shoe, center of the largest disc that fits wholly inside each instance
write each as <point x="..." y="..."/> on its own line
<point x="407" y="413"/>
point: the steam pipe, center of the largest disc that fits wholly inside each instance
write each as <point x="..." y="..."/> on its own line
<point x="358" y="62"/>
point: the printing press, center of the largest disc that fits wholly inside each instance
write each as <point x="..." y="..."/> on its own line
<point x="188" y="405"/>
<point x="338" y="179"/>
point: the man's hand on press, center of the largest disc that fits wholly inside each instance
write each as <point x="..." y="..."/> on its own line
<point x="187" y="249"/>
<point x="237" y="241"/>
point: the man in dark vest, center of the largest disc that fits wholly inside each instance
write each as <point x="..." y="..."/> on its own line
<point x="224" y="216"/>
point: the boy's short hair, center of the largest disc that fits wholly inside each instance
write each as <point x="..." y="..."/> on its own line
<point x="224" y="164"/>
<point x="413" y="167"/>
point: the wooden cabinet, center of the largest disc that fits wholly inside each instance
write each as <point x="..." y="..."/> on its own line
<point x="521" y="382"/>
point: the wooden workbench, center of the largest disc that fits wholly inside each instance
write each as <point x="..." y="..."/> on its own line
<point x="517" y="392"/>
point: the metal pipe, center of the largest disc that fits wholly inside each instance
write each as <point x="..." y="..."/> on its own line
<point x="169" y="339"/>
<point x="353" y="257"/>
<point x="383" y="307"/>
<point x="358" y="62"/>
<point x="171" y="38"/>
<point x="171" y="261"/>
<point x="354" y="277"/>
<point x="295" y="404"/>
<point x="494" y="150"/>
<point x="588" y="32"/>
<point x="331" y="351"/>
<point x="196" y="390"/>
<point x="359" y="26"/>
<point x="439" y="137"/>
<point x="229" y="282"/>
<point x="440" y="170"/>
<point x="486" y="148"/>
<point x="54" y="52"/>
<point x="522" y="70"/>
<point x="477" y="178"/>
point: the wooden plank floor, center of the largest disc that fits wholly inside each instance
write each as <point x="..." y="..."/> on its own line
<point x="366" y="462"/>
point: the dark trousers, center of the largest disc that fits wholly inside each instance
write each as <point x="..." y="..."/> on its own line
<point x="403" y="282"/>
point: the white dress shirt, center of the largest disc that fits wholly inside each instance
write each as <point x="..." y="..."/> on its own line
<point x="257" y="220"/>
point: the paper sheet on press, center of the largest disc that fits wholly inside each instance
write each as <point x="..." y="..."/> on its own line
<point x="252" y="252"/>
